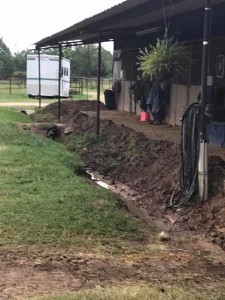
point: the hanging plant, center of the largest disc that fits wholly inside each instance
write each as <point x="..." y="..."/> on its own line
<point x="164" y="60"/>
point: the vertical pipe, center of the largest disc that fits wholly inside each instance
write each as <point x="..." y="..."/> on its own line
<point x="205" y="54"/>
<point x="39" y="77"/>
<point x="203" y="152"/>
<point x="59" y="82"/>
<point x="99" y="84"/>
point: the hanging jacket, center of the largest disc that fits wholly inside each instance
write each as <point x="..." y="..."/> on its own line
<point x="156" y="100"/>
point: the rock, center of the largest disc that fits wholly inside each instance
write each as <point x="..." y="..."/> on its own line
<point x="214" y="234"/>
<point x="164" y="236"/>
<point x="68" y="130"/>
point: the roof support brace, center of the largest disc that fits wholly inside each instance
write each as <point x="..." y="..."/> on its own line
<point x="59" y="82"/>
<point x="39" y="77"/>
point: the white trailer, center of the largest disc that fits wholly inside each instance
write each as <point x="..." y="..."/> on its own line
<point x="49" y="76"/>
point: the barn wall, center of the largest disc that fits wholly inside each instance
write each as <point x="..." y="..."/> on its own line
<point x="184" y="92"/>
<point x="181" y="97"/>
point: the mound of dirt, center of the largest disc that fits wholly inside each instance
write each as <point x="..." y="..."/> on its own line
<point x="68" y="107"/>
<point x="149" y="167"/>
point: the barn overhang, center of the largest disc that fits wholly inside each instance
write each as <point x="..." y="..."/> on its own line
<point x="134" y="19"/>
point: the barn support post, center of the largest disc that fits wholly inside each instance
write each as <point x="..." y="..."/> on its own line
<point x="99" y="83"/>
<point x="59" y="82"/>
<point x="39" y="77"/>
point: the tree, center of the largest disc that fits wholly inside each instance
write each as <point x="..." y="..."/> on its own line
<point x="6" y="60"/>
<point x="20" y="61"/>
<point x="84" y="61"/>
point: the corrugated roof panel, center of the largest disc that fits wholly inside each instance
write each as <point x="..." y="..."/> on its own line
<point x="126" y="14"/>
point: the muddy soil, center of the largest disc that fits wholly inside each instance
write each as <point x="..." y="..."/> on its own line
<point x="41" y="270"/>
<point x="67" y="108"/>
<point x="150" y="167"/>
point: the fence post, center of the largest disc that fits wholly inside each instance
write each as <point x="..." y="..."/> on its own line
<point x="82" y="86"/>
<point x="87" y="83"/>
<point x="10" y="85"/>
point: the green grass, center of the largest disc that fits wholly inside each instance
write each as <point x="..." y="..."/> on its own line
<point x="42" y="201"/>
<point x="19" y="95"/>
<point x="140" y="293"/>
<point x="16" y="96"/>
<point x="11" y="116"/>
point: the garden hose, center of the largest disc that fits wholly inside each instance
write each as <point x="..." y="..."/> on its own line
<point x="187" y="187"/>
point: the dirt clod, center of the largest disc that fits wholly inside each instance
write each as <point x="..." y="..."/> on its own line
<point x="164" y="236"/>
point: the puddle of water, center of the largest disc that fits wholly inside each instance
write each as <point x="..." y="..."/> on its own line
<point x="98" y="179"/>
<point x="94" y="176"/>
<point x="103" y="184"/>
<point x="122" y="191"/>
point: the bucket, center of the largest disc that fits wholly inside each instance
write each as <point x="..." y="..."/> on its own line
<point x="145" y="116"/>
<point x="110" y="99"/>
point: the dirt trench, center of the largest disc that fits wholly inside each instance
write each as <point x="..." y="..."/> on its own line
<point x="150" y="168"/>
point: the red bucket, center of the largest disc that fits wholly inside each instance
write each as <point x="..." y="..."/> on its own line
<point x="145" y="116"/>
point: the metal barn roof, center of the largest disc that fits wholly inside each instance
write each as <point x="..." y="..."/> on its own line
<point x="129" y="16"/>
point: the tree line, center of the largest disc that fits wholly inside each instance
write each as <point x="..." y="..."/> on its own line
<point x="83" y="60"/>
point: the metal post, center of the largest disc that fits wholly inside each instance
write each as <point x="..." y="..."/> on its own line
<point x="203" y="147"/>
<point x="59" y="82"/>
<point x="39" y="77"/>
<point x="99" y="83"/>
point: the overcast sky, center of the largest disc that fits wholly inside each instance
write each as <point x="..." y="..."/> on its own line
<point x="24" y="22"/>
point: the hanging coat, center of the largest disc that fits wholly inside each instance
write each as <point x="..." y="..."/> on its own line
<point x="156" y="100"/>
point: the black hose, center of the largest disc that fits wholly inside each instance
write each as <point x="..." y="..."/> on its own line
<point x="189" y="154"/>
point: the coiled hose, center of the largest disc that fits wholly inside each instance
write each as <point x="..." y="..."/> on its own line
<point x="189" y="154"/>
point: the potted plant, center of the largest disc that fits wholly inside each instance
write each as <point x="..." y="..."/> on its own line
<point x="162" y="63"/>
<point x="165" y="60"/>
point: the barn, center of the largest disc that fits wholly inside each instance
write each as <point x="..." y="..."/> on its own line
<point x="136" y="24"/>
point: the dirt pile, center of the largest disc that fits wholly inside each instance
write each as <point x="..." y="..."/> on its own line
<point x="127" y="156"/>
<point x="149" y="167"/>
<point x="67" y="108"/>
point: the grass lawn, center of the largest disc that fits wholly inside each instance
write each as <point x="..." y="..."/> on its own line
<point x="42" y="201"/>
<point x="21" y="96"/>
<point x="133" y="292"/>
